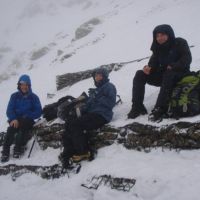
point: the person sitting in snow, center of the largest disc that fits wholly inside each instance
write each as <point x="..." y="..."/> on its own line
<point x="24" y="106"/>
<point x="96" y="112"/>
<point x="169" y="62"/>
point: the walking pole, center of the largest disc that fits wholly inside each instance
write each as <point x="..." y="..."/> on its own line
<point x="32" y="146"/>
<point x="38" y="122"/>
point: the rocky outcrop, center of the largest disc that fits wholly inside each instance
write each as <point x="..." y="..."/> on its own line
<point x="86" y="28"/>
<point x="69" y="79"/>
<point x="181" y="135"/>
<point x="45" y="172"/>
<point x="39" y="53"/>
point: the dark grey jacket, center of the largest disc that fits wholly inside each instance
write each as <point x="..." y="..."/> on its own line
<point x="175" y="53"/>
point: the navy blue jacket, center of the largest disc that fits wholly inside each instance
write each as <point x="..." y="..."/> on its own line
<point x="102" y="100"/>
<point x="24" y="105"/>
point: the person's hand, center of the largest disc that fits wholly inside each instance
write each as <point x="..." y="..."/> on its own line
<point x="147" y="69"/>
<point x="14" y="123"/>
<point x="91" y="91"/>
<point x="169" y="67"/>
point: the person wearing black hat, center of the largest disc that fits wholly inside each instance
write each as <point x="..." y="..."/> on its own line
<point x="169" y="62"/>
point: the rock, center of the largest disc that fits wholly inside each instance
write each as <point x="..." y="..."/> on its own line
<point x="39" y="53"/>
<point x="121" y="184"/>
<point x="45" y="172"/>
<point x="86" y="28"/>
<point x="69" y="79"/>
<point x="181" y="135"/>
<point x="141" y="137"/>
<point x="59" y="52"/>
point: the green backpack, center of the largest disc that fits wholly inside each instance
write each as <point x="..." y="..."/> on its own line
<point x="185" y="99"/>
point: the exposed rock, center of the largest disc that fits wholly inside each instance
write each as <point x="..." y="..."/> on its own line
<point x="72" y="78"/>
<point x="4" y="77"/>
<point x="86" y="28"/>
<point x="181" y="135"/>
<point x="66" y="56"/>
<point x="59" y="52"/>
<point x="69" y="79"/>
<point x="46" y="172"/>
<point x="39" y="53"/>
<point x="121" y="184"/>
<point x="5" y="49"/>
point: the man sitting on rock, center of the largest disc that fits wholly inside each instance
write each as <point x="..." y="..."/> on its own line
<point x="24" y="106"/>
<point x="96" y="112"/>
<point x="169" y="62"/>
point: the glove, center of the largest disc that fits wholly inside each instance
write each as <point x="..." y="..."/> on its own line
<point x="83" y="96"/>
<point x="91" y="92"/>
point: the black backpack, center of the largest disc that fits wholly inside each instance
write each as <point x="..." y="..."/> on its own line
<point x="50" y="111"/>
<point x="185" y="99"/>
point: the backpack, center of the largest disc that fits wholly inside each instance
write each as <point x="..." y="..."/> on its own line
<point x="69" y="111"/>
<point x="185" y="98"/>
<point x="50" y="111"/>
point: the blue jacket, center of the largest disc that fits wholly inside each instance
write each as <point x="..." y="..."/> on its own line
<point x="24" y="105"/>
<point x="102" y="99"/>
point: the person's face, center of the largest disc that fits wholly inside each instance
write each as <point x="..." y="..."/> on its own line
<point x="98" y="77"/>
<point x="161" y="38"/>
<point x="24" y="87"/>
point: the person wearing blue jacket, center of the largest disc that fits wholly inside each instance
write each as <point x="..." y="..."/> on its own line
<point x="23" y="108"/>
<point x="96" y="113"/>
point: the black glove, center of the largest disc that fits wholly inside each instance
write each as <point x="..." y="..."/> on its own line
<point x="83" y="96"/>
<point x="91" y="92"/>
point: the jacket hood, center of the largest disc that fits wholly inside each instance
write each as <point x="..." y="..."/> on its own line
<point x="25" y="79"/>
<point x="105" y="75"/>
<point x="164" y="28"/>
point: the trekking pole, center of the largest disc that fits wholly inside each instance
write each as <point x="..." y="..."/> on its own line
<point x="32" y="146"/>
<point x="35" y="137"/>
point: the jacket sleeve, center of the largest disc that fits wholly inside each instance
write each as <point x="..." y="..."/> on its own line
<point x="108" y="99"/>
<point x="36" y="110"/>
<point x="185" y="59"/>
<point x="11" y="108"/>
<point x="153" y="63"/>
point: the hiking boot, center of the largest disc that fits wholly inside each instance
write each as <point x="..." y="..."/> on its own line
<point x="16" y="154"/>
<point x="157" y="115"/>
<point x="135" y="112"/>
<point x="78" y="158"/>
<point x="18" y="151"/>
<point x="65" y="160"/>
<point x="5" y="156"/>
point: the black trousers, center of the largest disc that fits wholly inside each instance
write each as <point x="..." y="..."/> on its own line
<point x="165" y="80"/>
<point x="75" y="140"/>
<point x="20" y="135"/>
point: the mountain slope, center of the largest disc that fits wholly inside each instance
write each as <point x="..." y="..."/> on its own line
<point x="49" y="38"/>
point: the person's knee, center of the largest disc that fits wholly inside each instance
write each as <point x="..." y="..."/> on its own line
<point x="11" y="130"/>
<point x="25" y="123"/>
<point x="139" y="77"/>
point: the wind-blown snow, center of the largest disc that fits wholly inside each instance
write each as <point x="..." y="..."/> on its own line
<point x="124" y="33"/>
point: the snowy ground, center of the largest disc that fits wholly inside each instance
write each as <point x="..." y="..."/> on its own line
<point x="33" y="33"/>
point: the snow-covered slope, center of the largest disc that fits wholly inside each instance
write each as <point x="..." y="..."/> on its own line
<point x="36" y="37"/>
